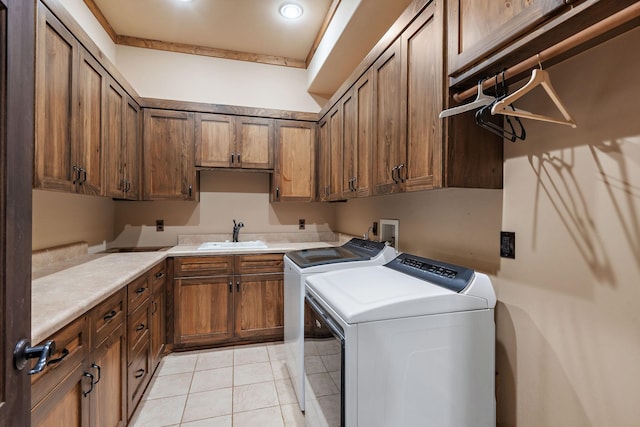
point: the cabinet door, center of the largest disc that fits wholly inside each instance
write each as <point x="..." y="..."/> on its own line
<point x="215" y="140"/>
<point x="56" y="92"/>
<point x="132" y="144"/>
<point x="324" y="160"/>
<point x="138" y="376"/>
<point x="335" y="153"/>
<point x="113" y="132"/>
<point x="349" y="155"/>
<point x="203" y="310"/>
<point x="363" y="94"/>
<point x="158" y="323"/>
<point x="422" y="49"/>
<point x="389" y="152"/>
<point x="259" y="309"/>
<point x="66" y="405"/>
<point x="87" y="141"/>
<point x="478" y="28"/>
<point x="295" y="172"/>
<point x="169" y="172"/>
<point x="108" y="365"/>
<point x="254" y="148"/>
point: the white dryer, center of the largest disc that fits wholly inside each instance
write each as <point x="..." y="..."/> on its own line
<point x="410" y="343"/>
<point x="298" y="265"/>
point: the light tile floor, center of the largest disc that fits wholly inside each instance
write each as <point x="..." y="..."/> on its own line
<point x="242" y="386"/>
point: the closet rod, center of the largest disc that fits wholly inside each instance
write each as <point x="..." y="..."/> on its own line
<point x="596" y="30"/>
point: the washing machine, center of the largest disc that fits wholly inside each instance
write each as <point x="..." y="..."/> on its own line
<point x="298" y="265"/>
<point x="410" y="343"/>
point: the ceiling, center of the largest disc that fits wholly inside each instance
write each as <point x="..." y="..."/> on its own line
<point x="253" y="30"/>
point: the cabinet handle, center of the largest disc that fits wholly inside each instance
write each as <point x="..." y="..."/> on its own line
<point x="140" y="290"/>
<point x="277" y="193"/>
<point x="155" y="307"/>
<point x="64" y="353"/>
<point x="238" y="286"/>
<point x="83" y="173"/>
<point x="139" y="373"/>
<point x="393" y="174"/>
<point x="140" y="327"/>
<point x="239" y="158"/>
<point x="355" y="186"/>
<point x="76" y="174"/>
<point x="399" y="174"/>
<point x="128" y="186"/>
<point x="88" y="375"/>
<point x="233" y="158"/>
<point x="109" y="316"/>
<point x="160" y="275"/>
<point x="94" y="366"/>
<point x="190" y="191"/>
<point x="230" y="287"/>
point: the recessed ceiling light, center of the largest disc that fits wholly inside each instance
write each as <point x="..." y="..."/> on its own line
<point x="291" y="10"/>
<point x="186" y="1"/>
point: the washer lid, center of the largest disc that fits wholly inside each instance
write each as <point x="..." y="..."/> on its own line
<point x="380" y="293"/>
<point x="354" y="250"/>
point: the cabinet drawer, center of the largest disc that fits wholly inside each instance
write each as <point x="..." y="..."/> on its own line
<point x="259" y="263"/>
<point x="72" y="346"/>
<point x="138" y="292"/>
<point x="203" y="266"/>
<point x="138" y="375"/>
<point x="138" y="329"/>
<point x="106" y="317"/>
<point x="158" y="275"/>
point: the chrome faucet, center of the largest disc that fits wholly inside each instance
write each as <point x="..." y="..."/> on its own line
<point x="236" y="229"/>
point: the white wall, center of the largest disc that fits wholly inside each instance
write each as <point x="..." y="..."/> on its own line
<point x="179" y="76"/>
<point x="567" y="318"/>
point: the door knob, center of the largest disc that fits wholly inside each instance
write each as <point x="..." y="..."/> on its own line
<point x="23" y="352"/>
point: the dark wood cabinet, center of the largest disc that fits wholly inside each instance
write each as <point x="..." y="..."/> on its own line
<point x="294" y="177"/>
<point x="168" y="152"/>
<point x="323" y="176"/>
<point x="227" y="299"/>
<point x="158" y="312"/>
<point x="330" y="156"/>
<point x="255" y="142"/>
<point x="478" y="28"/>
<point x="359" y="134"/>
<point x="389" y="153"/>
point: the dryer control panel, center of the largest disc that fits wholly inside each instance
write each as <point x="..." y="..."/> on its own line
<point x="448" y="276"/>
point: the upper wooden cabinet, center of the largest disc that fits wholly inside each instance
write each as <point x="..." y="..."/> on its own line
<point x="478" y="28"/>
<point x="234" y="141"/>
<point x="168" y="150"/>
<point x="69" y="103"/>
<point x="329" y="186"/>
<point x="122" y="143"/>
<point x="294" y="175"/>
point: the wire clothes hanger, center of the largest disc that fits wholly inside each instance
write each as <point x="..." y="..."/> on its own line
<point x="481" y="100"/>
<point x="483" y="115"/>
<point x="539" y="77"/>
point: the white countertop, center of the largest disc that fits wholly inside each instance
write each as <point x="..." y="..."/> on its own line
<point x="64" y="291"/>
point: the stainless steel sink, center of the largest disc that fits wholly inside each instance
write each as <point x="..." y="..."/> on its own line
<point x="227" y="245"/>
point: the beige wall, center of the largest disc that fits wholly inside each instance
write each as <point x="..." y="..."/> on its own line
<point x="224" y="196"/>
<point x="61" y="218"/>
<point x="568" y="327"/>
<point x="179" y="76"/>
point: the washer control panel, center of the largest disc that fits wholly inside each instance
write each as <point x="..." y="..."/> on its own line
<point x="449" y="276"/>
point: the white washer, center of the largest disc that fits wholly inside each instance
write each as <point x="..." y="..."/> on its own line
<point x="298" y="265"/>
<point x="409" y="344"/>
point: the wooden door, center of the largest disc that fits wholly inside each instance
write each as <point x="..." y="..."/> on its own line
<point x="259" y="311"/>
<point x="422" y="46"/>
<point x="169" y="172"/>
<point x="363" y="94"/>
<point x="477" y="28"/>
<point x="349" y="145"/>
<point x="113" y="134"/>
<point x="254" y="148"/>
<point x="215" y="140"/>
<point x="335" y="153"/>
<point x="17" y="81"/>
<point x="203" y="310"/>
<point x="87" y="137"/>
<point x="390" y="131"/>
<point x="132" y="144"/>
<point x="56" y="94"/>
<point x="158" y="325"/>
<point x="108" y="365"/>
<point x="324" y="160"/>
<point x="296" y="143"/>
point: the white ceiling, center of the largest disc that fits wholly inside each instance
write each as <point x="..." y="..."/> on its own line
<point x="255" y="27"/>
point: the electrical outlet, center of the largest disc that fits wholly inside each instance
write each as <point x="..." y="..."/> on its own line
<point x="159" y="224"/>
<point x="508" y="244"/>
<point x="374" y="228"/>
<point x="301" y="224"/>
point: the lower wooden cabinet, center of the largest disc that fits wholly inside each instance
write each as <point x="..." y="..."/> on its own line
<point x="246" y="304"/>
